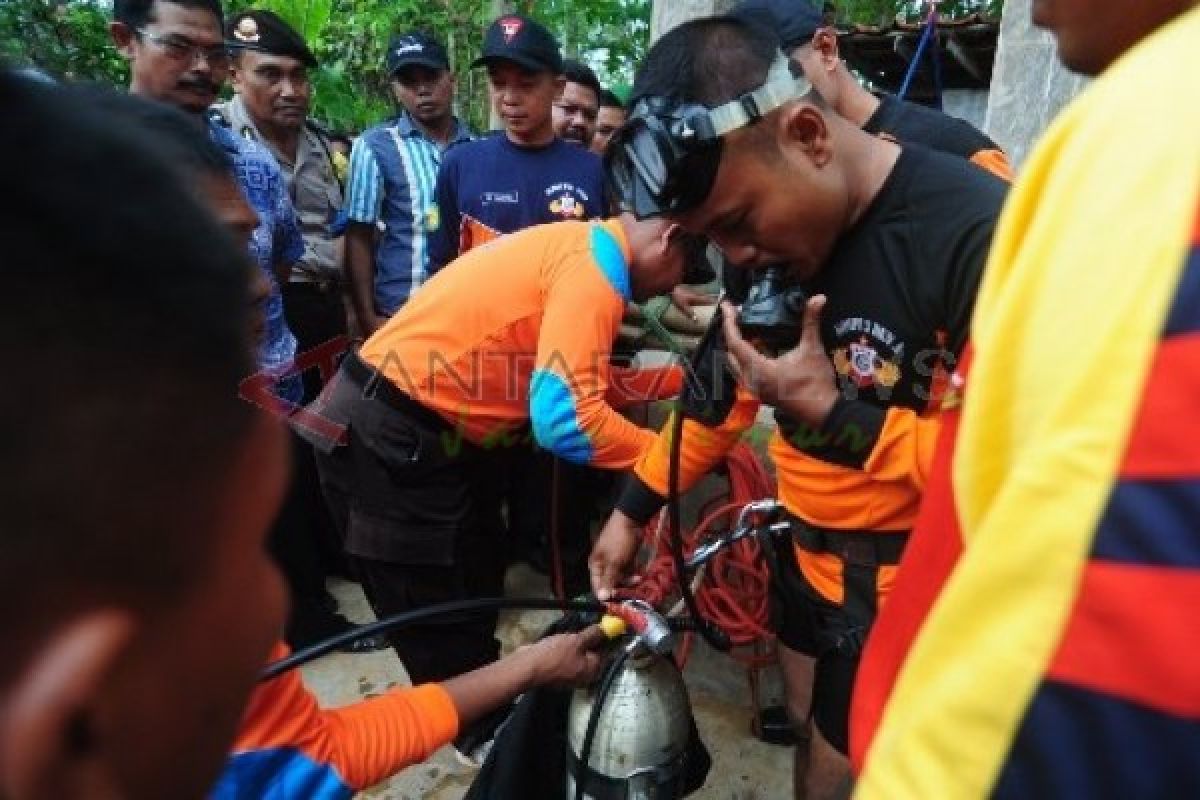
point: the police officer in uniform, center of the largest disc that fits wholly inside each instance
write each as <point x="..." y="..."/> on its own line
<point x="273" y="94"/>
<point x="270" y="107"/>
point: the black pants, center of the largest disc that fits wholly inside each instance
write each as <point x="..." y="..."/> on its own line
<point x="294" y="544"/>
<point x="420" y="515"/>
<point x="315" y="316"/>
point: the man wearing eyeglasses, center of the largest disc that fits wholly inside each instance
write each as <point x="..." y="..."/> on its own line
<point x="177" y="56"/>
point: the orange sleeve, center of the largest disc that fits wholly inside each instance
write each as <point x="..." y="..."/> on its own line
<point x="904" y="450"/>
<point x="568" y="410"/>
<point x="380" y="736"/>
<point x="364" y="742"/>
<point x="701" y="448"/>
<point x="994" y="161"/>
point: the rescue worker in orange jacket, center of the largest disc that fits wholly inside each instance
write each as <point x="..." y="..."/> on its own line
<point x="507" y="345"/>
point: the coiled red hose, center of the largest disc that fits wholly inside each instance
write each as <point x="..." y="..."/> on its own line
<point x="733" y="592"/>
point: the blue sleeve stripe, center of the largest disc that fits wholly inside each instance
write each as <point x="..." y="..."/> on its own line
<point x="364" y="194"/>
<point x="606" y="250"/>
<point x="280" y="773"/>
<point x="554" y="418"/>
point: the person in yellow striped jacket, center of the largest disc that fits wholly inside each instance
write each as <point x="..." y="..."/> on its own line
<point x="1043" y="642"/>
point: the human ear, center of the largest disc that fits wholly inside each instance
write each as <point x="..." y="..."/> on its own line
<point x="50" y="744"/>
<point x="803" y="129"/>
<point x="122" y="37"/>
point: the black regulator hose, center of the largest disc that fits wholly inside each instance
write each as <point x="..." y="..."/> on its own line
<point x="716" y="638"/>
<point x="326" y="646"/>
<point x="589" y="735"/>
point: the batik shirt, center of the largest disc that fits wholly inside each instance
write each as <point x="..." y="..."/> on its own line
<point x="276" y="241"/>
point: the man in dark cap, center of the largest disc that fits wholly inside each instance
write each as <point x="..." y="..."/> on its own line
<point x="273" y="95"/>
<point x="813" y="45"/>
<point x="526" y="175"/>
<point x="393" y="173"/>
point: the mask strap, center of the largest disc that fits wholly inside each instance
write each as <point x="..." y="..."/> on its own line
<point x="779" y="87"/>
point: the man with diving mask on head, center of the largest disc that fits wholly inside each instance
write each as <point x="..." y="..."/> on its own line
<point x="876" y="253"/>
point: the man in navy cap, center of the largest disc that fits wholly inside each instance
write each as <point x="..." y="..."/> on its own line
<point x="813" y="46"/>
<point x="525" y="175"/>
<point x="393" y="171"/>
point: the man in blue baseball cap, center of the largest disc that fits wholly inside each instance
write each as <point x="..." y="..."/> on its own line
<point x="393" y="170"/>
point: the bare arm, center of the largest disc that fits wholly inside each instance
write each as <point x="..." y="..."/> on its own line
<point x="360" y="275"/>
<point x="567" y="659"/>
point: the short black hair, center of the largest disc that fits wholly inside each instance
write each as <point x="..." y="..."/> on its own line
<point x="184" y="145"/>
<point x="125" y="326"/>
<point x="609" y="99"/>
<point x="578" y="72"/>
<point x="138" y="13"/>
<point x="708" y="61"/>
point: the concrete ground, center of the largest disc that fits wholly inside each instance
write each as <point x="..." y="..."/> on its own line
<point x="744" y="768"/>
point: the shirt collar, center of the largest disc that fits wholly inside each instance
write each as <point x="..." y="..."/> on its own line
<point x="406" y="127"/>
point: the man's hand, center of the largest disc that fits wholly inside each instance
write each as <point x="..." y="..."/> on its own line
<point x="566" y="659"/>
<point x="800" y="382"/>
<point x="613" y="553"/>
<point x="685" y="298"/>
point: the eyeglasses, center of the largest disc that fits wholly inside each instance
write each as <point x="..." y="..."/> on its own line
<point x="185" y="52"/>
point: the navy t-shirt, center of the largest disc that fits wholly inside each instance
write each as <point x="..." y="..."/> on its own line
<point x="491" y="186"/>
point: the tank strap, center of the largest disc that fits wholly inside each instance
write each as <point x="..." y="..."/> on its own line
<point x="666" y="778"/>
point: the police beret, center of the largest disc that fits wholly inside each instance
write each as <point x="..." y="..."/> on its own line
<point x="265" y="32"/>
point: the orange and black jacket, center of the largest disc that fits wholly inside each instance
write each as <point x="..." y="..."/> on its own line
<point x="900" y="287"/>
<point x="517" y="335"/>
<point x="911" y="123"/>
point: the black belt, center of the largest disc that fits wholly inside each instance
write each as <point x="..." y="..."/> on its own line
<point x="375" y="384"/>
<point x="863" y="548"/>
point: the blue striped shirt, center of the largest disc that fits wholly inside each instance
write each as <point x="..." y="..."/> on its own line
<point x="393" y="173"/>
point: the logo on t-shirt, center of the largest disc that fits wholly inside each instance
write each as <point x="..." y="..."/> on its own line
<point x="872" y="358"/>
<point x="567" y="201"/>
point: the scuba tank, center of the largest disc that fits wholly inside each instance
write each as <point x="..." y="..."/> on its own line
<point x="641" y="735"/>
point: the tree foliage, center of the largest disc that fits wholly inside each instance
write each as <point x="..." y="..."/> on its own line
<point x="69" y="39"/>
<point x="65" y="39"/>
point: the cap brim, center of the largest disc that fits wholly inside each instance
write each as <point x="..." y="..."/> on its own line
<point x="516" y="58"/>
<point x="418" y="61"/>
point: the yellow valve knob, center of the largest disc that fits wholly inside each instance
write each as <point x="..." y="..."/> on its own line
<point x="612" y="626"/>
